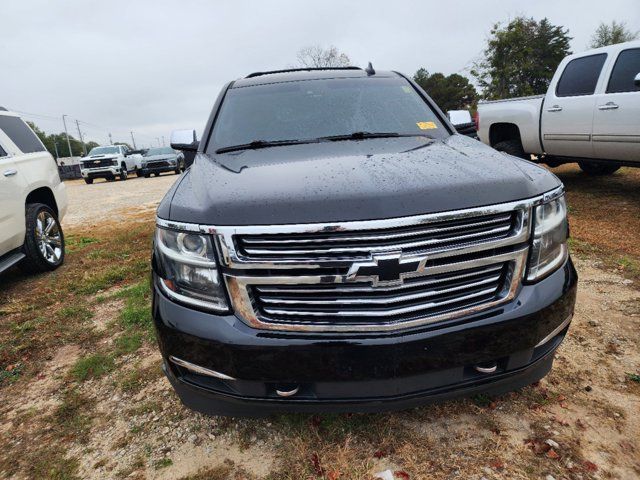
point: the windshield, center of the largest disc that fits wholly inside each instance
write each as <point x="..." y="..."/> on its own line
<point x="306" y="110"/>
<point x="159" y="151"/>
<point x="103" y="151"/>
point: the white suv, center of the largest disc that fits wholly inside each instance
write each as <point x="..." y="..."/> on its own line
<point x="33" y="199"/>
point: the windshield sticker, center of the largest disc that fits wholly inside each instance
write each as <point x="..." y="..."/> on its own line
<point x="426" y="125"/>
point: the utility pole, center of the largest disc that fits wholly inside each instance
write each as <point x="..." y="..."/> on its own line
<point x="110" y="139"/>
<point x="134" y="141"/>
<point x="55" y="145"/>
<point x="84" y="148"/>
<point x="67" y="134"/>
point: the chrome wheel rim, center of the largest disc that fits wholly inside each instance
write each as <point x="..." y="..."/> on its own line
<point x="48" y="237"/>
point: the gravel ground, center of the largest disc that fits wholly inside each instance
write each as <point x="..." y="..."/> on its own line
<point x="92" y="203"/>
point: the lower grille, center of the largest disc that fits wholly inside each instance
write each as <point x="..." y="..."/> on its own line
<point x="419" y="296"/>
<point x="161" y="163"/>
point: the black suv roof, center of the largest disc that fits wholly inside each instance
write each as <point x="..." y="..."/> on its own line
<point x="295" y="74"/>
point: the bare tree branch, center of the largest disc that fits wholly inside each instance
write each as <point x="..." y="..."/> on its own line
<point x="317" y="57"/>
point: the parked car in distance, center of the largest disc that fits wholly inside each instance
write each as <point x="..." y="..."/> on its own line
<point x="108" y="162"/>
<point x="161" y="159"/>
<point x="590" y="114"/>
<point x="33" y="200"/>
<point x="337" y="246"/>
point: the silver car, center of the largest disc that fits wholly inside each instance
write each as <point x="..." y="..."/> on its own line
<point x="161" y="159"/>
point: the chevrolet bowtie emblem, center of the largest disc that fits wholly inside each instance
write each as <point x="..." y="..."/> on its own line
<point x="386" y="269"/>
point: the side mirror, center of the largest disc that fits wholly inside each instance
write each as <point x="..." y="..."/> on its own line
<point x="459" y="117"/>
<point x="184" y="140"/>
<point x="636" y="81"/>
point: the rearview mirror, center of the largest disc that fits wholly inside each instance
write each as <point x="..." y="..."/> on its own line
<point x="184" y="140"/>
<point x="636" y="81"/>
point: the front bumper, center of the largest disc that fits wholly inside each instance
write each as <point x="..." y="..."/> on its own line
<point x="101" y="172"/>
<point x="363" y="372"/>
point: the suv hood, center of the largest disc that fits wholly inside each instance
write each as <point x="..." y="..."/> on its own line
<point x="350" y="180"/>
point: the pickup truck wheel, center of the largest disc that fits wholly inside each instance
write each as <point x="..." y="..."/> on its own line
<point x="123" y="172"/>
<point x="597" y="169"/>
<point x="88" y="180"/>
<point x="512" y="147"/>
<point x="147" y="175"/>
<point x="44" y="240"/>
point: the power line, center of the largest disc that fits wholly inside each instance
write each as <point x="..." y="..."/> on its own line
<point x="120" y="133"/>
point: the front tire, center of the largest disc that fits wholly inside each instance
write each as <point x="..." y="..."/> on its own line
<point x="598" y="169"/>
<point x="512" y="147"/>
<point x="88" y="181"/>
<point x="44" y="240"/>
<point x="123" y="172"/>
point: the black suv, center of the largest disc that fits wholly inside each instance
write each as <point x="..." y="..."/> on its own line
<point x="337" y="246"/>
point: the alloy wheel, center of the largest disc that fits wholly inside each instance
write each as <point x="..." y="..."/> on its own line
<point x="48" y="237"/>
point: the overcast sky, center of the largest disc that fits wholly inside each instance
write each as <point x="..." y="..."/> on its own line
<point x="153" y="66"/>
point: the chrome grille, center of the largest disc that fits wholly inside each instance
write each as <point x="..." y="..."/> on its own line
<point x="431" y="295"/>
<point x="442" y="235"/>
<point x="309" y="277"/>
<point x="98" y="163"/>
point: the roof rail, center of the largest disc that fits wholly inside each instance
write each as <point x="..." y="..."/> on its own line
<point x="306" y="69"/>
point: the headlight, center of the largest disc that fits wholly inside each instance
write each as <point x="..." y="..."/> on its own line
<point x="114" y="161"/>
<point x="187" y="268"/>
<point x="550" y="233"/>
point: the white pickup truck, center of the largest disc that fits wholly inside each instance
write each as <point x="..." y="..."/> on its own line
<point x="108" y="162"/>
<point x="590" y="114"/>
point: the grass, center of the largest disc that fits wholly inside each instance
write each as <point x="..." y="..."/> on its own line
<point x="93" y="366"/>
<point x="70" y="418"/>
<point x="162" y="463"/>
<point x="51" y="462"/>
<point x="128" y="343"/>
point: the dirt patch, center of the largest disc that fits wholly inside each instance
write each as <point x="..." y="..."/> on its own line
<point x="106" y="312"/>
<point x="604" y="210"/>
<point x="103" y="201"/>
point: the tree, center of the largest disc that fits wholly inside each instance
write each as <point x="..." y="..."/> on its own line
<point x="453" y="92"/>
<point x="611" y="34"/>
<point x="318" y="57"/>
<point x="521" y="58"/>
<point x="58" y="141"/>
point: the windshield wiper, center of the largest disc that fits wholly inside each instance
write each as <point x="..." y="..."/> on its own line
<point x="262" y="144"/>
<point x="364" y="135"/>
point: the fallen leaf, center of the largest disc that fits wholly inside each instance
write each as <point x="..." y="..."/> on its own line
<point x="401" y="474"/>
<point x="552" y="454"/>
<point x="333" y="475"/>
<point x="379" y="454"/>
<point x="590" y="466"/>
<point x="497" y="464"/>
